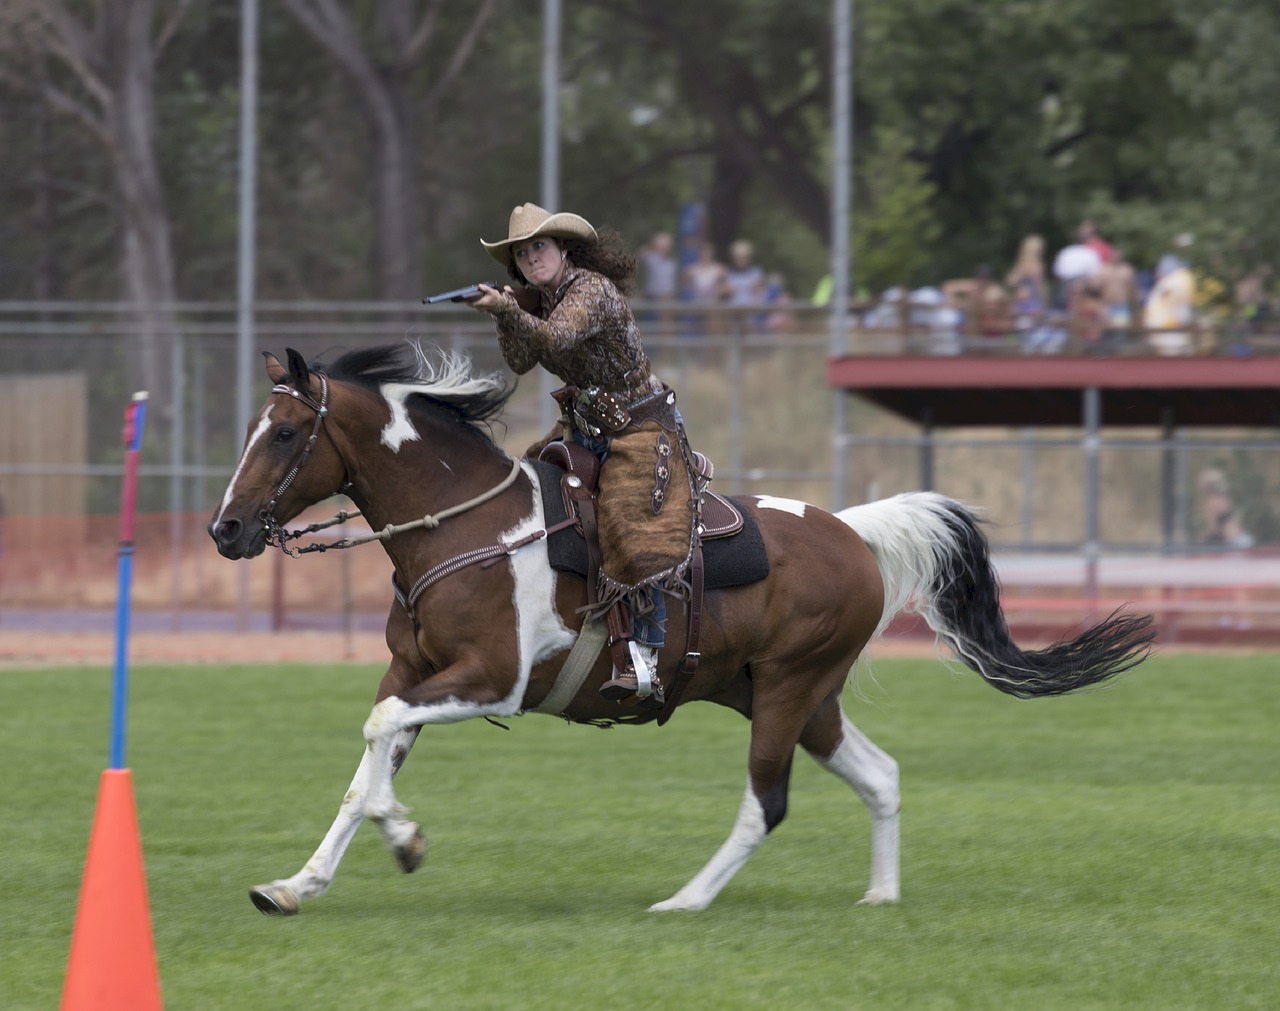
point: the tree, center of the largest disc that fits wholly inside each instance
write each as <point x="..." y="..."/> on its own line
<point x="1227" y="167"/>
<point x="380" y="59"/>
<point x="100" y="75"/>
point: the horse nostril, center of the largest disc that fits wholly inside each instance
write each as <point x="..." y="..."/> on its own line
<point x="225" y="532"/>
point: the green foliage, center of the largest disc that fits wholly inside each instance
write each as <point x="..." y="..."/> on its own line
<point x="896" y="229"/>
<point x="1106" y="851"/>
<point x="1001" y="118"/>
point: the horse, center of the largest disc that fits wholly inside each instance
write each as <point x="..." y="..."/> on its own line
<point x="488" y="628"/>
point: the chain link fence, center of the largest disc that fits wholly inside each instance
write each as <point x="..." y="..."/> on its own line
<point x="753" y="392"/>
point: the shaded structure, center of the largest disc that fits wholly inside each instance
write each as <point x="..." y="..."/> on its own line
<point x="1239" y="392"/>
<point x="1008" y="391"/>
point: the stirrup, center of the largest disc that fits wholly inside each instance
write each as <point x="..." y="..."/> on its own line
<point x="639" y="680"/>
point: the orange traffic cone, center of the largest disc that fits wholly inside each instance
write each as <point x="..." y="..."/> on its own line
<point x="113" y="960"/>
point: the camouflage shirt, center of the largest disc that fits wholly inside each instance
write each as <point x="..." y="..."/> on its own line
<point x="584" y="333"/>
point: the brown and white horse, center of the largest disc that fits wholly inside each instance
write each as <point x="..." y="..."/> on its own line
<point x="403" y="433"/>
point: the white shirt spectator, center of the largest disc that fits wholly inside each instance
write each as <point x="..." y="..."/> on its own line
<point x="1076" y="261"/>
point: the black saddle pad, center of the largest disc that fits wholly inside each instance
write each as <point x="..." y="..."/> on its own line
<point x="729" y="561"/>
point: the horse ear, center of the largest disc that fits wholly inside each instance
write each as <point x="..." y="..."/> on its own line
<point x="275" y="371"/>
<point x="298" y="370"/>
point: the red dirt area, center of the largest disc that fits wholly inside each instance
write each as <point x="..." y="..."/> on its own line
<point x="27" y="649"/>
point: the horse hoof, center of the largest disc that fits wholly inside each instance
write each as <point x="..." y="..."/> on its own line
<point x="274" y="900"/>
<point x="878" y="897"/>
<point x="409" y="856"/>
<point x="675" y="904"/>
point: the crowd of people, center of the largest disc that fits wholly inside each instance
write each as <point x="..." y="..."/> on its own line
<point x="1088" y="297"/>
<point x="705" y="281"/>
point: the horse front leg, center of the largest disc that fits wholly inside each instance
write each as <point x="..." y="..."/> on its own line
<point x="460" y="692"/>
<point x="284" y="896"/>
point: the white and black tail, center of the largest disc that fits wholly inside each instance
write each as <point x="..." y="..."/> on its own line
<point x="935" y="561"/>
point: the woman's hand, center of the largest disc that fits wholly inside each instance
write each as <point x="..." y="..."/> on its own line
<point x="490" y="298"/>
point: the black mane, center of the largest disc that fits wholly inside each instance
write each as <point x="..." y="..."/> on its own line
<point x="443" y="377"/>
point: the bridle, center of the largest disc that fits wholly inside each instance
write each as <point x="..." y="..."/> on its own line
<point x="278" y="535"/>
<point x="276" y="532"/>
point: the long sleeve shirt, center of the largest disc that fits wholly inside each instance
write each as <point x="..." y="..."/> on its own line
<point x="584" y="333"/>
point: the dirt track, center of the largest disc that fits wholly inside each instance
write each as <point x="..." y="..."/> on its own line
<point x="26" y="649"/>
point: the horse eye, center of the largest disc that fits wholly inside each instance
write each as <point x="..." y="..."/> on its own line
<point x="285" y="434"/>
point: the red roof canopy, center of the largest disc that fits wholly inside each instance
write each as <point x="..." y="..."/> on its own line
<point x="1046" y="390"/>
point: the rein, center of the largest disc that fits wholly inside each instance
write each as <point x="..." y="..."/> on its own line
<point x="428" y="522"/>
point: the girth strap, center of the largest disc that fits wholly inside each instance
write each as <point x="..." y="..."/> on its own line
<point x="576" y="667"/>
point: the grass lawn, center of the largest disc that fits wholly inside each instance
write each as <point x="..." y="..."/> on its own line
<point x="1113" y="850"/>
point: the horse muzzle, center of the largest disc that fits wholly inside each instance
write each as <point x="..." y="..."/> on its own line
<point x="234" y="540"/>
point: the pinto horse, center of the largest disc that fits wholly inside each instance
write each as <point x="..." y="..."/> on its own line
<point x="488" y="625"/>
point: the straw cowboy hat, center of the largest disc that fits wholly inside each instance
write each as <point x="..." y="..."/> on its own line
<point x="529" y="220"/>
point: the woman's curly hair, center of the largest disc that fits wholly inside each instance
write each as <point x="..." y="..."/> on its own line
<point x="609" y="255"/>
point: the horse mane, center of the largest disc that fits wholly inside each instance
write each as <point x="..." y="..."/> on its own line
<point x="441" y="376"/>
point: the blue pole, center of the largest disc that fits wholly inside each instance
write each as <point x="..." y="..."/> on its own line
<point x="134" y="415"/>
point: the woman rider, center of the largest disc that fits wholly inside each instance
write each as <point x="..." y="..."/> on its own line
<point x="568" y="313"/>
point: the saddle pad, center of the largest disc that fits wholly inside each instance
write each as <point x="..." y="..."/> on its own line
<point x="730" y="561"/>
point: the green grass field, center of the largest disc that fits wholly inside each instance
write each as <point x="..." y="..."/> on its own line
<point x="1114" y="850"/>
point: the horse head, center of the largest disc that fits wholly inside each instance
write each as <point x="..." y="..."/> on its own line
<point x="285" y="465"/>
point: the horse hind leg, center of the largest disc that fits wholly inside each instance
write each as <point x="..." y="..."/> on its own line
<point x="284" y="896"/>
<point x="763" y="807"/>
<point x="749" y="830"/>
<point x="840" y="748"/>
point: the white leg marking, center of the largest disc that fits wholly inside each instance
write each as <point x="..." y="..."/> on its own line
<point x="317" y="874"/>
<point x="264" y="423"/>
<point x="748" y="832"/>
<point x="874" y="775"/>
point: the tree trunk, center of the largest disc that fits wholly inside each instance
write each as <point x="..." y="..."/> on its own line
<point x="398" y="246"/>
<point x="129" y="114"/>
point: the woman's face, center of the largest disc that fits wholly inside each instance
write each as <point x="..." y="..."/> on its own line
<point x="540" y="260"/>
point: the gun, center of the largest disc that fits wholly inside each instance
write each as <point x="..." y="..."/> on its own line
<point x="462" y="294"/>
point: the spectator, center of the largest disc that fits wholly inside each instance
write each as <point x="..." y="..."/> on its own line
<point x="982" y="302"/>
<point x="1171" y="261"/>
<point x="743" y="281"/>
<point x="1089" y="236"/>
<point x="1222" y="524"/>
<point x="1170" y="307"/>
<point x="659" y="268"/>
<point x="659" y="275"/>
<point x="704" y="277"/>
<point x="1028" y="285"/>
<point x="703" y="280"/>
<point x="1073" y="264"/>
<point x="1118" y="284"/>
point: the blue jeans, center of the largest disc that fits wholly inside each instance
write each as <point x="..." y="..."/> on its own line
<point x="648" y="630"/>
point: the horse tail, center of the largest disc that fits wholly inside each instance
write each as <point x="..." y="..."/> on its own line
<point x="935" y="561"/>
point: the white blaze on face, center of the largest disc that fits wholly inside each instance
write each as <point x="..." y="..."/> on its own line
<point x="259" y="432"/>
<point x="399" y="429"/>
<point x="787" y="505"/>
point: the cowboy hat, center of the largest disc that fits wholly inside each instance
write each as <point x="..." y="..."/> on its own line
<point x="529" y="220"/>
